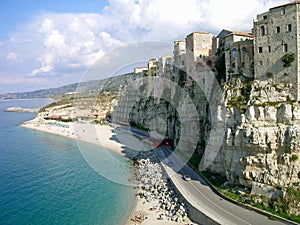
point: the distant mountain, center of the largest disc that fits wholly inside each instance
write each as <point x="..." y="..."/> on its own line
<point x="44" y="93"/>
<point x="84" y="88"/>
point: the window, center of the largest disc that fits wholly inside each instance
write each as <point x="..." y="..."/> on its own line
<point x="262" y="31"/>
<point x="209" y="63"/>
<point x="181" y="48"/>
<point x="252" y="68"/>
<point x="265" y="17"/>
<point x="233" y="53"/>
<point x="261" y="63"/>
<point x="277" y="29"/>
<point x="285" y="48"/>
<point x="182" y="63"/>
<point x="289" y="28"/>
<point x="244" y="49"/>
<point x="282" y="11"/>
<point x="243" y="65"/>
<point x="269" y="48"/>
<point x="260" y="49"/>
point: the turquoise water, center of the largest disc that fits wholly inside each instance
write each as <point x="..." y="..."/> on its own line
<point x="45" y="180"/>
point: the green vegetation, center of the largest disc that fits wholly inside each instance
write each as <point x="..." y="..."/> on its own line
<point x="100" y="122"/>
<point x="287" y="59"/>
<point x="182" y="78"/>
<point x="67" y="102"/>
<point x="220" y="66"/>
<point x="83" y="89"/>
<point x="294" y="157"/>
<point x="138" y="126"/>
<point x="195" y="160"/>
<point x="238" y="102"/>
<point x="72" y="101"/>
<point x="279" y="207"/>
<point x="274" y="104"/>
<point x="241" y="86"/>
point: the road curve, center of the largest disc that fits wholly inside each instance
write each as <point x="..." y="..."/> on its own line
<point x="201" y="196"/>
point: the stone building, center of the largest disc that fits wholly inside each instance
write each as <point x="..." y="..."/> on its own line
<point x="220" y="42"/>
<point x="169" y="71"/>
<point x="199" y="54"/>
<point x="179" y="54"/>
<point x="163" y="65"/>
<point x="239" y="57"/>
<point x="199" y="44"/>
<point x="226" y="37"/>
<point x="140" y="70"/>
<point x="276" y="41"/>
<point x="152" y="67"/>
<point x="235" y="36"/>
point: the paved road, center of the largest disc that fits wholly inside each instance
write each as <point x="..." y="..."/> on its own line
<point x="201" y="196"/>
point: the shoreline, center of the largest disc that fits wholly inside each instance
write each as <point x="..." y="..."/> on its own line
<point x="79" y="132"/>
<point x="108" y="137"/>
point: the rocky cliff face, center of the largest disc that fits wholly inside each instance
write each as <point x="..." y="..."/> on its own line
<point x="92" y="108"/>
<point x="260" y="142"/>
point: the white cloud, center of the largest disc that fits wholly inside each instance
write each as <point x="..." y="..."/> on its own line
<point x="47" y="61"/>
<point x="63" y="45"/>
<point x="108" y="40"/>
<point x="47" y="26"/>
<point x="11" y="56"/>
<point x="55" y="41"/>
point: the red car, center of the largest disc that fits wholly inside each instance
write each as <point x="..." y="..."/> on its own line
<point x="166" y="142"/>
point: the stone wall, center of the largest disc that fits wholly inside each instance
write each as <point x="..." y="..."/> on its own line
<point x="273" y="40"/>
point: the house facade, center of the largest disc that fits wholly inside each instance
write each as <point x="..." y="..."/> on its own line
<point x="239" y="54"/>
<point x="153" y="67"/>
<point x="140" y="70"/>
<point x="276" y="41"/>
<point x="180" y="54"/>
<point x="199" y="50"/>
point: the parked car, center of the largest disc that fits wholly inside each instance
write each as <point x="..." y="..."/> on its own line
<point x="186" y="177"/>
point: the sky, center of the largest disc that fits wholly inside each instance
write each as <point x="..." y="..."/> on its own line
<point x="51" y="43"/>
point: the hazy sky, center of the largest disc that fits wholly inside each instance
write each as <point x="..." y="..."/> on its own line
<point x="51" y="43"/>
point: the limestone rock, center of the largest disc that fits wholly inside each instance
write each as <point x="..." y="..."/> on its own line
<point x="266" y="190"/>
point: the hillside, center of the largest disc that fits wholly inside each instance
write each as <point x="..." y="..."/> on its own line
<point x="92" y="87"/>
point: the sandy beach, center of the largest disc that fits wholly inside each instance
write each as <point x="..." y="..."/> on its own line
<point x="145" y="211"/>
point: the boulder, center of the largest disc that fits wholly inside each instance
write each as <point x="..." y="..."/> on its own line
<point x="270" y="114"/>
<point x="266" y="190"/>
<point x="284" y="113"/>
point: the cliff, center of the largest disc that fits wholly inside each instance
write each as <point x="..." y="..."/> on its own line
<point x="251" y="137"/>
<point x="261" y="142"/>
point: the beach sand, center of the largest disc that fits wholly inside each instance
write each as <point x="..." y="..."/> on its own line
<point x="106" y="136"/>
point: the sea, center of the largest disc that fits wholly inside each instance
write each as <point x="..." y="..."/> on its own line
<point x="44" y="179"/>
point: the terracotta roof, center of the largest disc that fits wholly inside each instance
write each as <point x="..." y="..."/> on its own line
<point x="179" y="41"/>
<point x="290" y="3"/>
<point x="199" y="32"/>
<point x="239" y="33"/>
